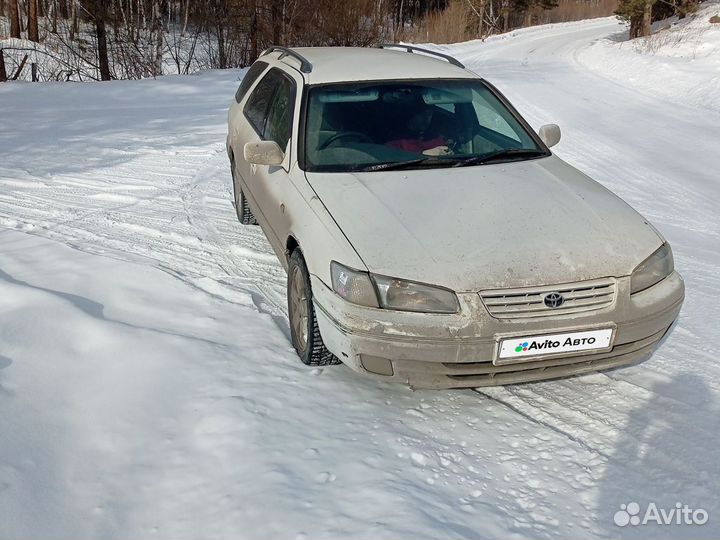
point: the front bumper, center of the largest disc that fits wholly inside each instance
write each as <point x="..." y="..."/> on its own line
<point x="458" y="350"/>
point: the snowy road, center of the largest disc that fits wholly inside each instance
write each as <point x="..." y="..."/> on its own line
<point x="148" y="387"/>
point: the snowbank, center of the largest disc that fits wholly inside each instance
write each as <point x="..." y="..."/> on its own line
<point x="680" y="62"/>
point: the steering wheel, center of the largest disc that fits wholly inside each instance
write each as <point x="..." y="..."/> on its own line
<point x="455" y="145"/>
<point x="360" y="137"/>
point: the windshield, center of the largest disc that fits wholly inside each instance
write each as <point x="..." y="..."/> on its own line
<point x="410" y="125"/>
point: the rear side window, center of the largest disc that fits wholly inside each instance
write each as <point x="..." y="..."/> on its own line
<point x="250" y="77"/>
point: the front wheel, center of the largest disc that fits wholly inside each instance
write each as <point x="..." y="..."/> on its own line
<point x="304" y="329"/>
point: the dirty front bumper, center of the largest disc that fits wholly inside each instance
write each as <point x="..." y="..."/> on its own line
<point x="459" y="350"/>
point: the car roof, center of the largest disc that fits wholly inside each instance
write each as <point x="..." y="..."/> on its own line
<point x="349" y="64"/>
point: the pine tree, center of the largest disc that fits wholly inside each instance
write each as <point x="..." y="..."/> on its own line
<point x="639" y="14"/>
<point x="642" y="13"/>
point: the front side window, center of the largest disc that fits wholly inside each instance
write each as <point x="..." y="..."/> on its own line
<point x="411" y="124"/>
<point x="269" y="109"/>
<point x="257" y="104"/>
<point x="279" y="122"/>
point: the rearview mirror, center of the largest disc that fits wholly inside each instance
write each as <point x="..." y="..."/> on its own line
<point x="263" y="153"/>
<point x="550" y="134"/>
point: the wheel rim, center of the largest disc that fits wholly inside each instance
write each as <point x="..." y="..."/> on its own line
<point x="299" y="308"/>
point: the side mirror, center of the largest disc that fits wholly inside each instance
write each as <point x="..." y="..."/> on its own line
<point x="263" y="153"/>
<point x="550" y="134"/>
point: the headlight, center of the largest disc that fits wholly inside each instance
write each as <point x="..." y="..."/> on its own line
<point x="409" y="296"/>
<point x="652" y="270"/>
<point x="352" y="285"/>
<point x="391" y="293"/>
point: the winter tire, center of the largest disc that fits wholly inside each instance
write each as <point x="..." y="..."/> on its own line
<point x="304" y="329"/>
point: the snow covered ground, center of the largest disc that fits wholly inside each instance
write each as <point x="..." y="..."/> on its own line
<point x="148" y="387"/>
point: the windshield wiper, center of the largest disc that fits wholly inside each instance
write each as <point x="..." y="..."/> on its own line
<point x="449" y="161"/>
<point x="499" y="155"/>
<point x="397" y="165"/>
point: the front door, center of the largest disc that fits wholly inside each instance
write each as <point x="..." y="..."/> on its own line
<point x="271" y="184"/>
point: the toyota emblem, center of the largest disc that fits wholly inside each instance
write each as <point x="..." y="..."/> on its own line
<point x="554" y="300"/>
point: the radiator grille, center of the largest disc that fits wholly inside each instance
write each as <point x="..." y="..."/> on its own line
<point x="530" y="302"/>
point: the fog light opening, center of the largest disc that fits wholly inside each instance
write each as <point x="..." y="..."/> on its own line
<point x="377" y="365"/>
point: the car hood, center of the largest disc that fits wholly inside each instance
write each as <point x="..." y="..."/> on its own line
<point x="537" y="222"/>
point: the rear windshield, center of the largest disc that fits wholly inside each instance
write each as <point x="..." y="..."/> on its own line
<point x="412" y="124"/>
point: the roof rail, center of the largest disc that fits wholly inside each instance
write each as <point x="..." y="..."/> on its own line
<point x="412" y="48"/>
<point x="305" y="65"/>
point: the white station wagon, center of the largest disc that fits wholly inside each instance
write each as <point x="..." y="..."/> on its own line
<point x="429" y="235"/>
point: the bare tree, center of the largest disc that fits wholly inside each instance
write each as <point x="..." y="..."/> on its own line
<point x="253" y="30"/>
<point x="157" y="31"/>
<point x="33" y="33"/>
<point x="3" y="71"/>
<point x="97" y="9"/>
<point x="14" y="19"/>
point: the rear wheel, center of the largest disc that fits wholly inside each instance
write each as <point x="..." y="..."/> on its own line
<point x="304" y="329"/>
<point x="244" y="214"/>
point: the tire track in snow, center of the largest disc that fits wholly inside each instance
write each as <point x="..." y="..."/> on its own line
<point x="520" y="407"/>
<point x="592" y="412"/>
<point x="182" y="239"/>
<point x="258" y="272"/>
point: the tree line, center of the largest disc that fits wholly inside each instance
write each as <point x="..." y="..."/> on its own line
<point x="113" y="39"/>
<point x="130" y="39"/>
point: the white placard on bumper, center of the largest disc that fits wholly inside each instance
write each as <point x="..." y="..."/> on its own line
<point x="513" y="349"/>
